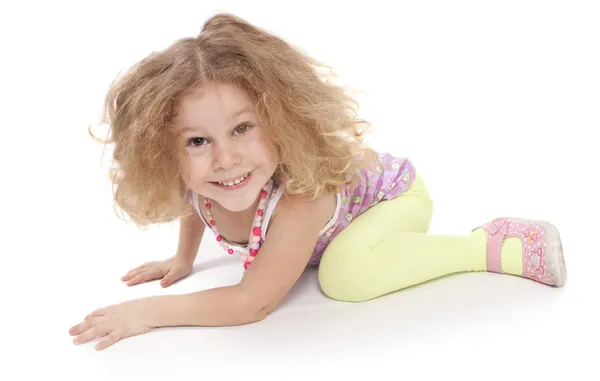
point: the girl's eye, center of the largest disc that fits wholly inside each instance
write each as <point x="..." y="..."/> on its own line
<point x="242" y="128"/>
<point x="196" y="141"/>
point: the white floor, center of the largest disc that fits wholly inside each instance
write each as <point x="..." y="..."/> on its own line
<point x="496" y="105"/>
<point x="467" y="325"/>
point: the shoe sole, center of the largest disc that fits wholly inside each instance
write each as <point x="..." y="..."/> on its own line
<point x="555" y="259"/>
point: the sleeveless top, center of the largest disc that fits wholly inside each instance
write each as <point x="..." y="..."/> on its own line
<point x="381" y="181"/>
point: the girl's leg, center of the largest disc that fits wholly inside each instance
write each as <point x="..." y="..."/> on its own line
<point x="387" y="248"/>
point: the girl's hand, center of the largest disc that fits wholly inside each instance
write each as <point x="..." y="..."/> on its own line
<point x="169" y="271"/>
<point x="117" y="322"/>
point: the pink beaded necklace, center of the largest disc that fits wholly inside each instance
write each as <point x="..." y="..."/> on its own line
<point x="248" y="253"/>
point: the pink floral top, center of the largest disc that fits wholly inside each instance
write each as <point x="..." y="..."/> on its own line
<point x="381" y="182"/>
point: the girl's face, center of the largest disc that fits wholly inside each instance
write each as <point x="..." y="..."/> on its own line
<point x="226" y="161"/>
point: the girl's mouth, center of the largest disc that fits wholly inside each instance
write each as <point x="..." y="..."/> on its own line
<point x="234" y="183"/>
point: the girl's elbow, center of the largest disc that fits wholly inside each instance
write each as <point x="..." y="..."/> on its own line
<point x="259" y="311"/>
<point x="257" y="315"/>
<point x="254" y="309"/>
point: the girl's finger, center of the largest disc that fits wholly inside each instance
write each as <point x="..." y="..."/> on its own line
<point x="109" y="340"/>
<point x="97" y="313"/>
<point x="145" y="276"/>
<point x="92" y="333"/>
<point x="131" y="274"/>
<point x="135" y="271"/>
<point x="169" y="278"/>
<point x="88" y="323"/>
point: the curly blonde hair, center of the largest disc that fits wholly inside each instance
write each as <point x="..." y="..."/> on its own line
<point x="309" y="122"/>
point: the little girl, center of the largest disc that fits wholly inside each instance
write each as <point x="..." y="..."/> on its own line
<point x="237" y="132"/>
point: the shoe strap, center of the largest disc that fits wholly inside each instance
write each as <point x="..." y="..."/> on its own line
<point x="497" y="232"/>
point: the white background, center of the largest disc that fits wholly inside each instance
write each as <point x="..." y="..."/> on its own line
<point x="497" y="104"/>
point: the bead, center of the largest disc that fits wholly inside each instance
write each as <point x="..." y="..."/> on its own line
<point x="254" y="245"/>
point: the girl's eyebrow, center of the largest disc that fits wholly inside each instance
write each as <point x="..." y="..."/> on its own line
<point x="241" y="111"/>
<point x="187" y="129"/>
<point x="233" y="116"/>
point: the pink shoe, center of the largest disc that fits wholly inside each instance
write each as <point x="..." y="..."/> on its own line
<point x="543" y="259"/>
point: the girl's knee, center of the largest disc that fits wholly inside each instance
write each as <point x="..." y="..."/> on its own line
<point x="344" y="284"/>
<point x="334" y="283"/>
<point x="341" y="271"/>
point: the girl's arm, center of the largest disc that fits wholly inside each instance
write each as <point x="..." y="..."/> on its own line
<point x="191" y="230"/>
<point x="280" y="262"/>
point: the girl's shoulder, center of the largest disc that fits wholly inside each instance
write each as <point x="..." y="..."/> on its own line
<point x="302" y="210"/>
